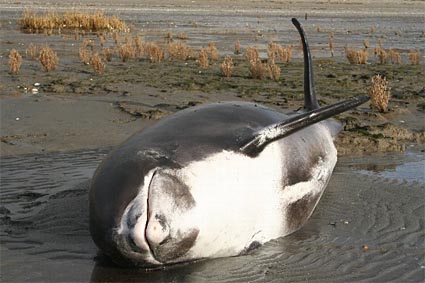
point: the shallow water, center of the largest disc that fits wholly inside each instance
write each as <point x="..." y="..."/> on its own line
<point x="375" y="201"/>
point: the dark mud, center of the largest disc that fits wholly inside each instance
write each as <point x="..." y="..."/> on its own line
<point x="368" y="226"/>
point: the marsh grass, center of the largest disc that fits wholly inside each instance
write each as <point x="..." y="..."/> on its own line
<point x="274" y="70"/>
<point x="97" y="63"/>
<point x="227" y="67"/>
<point x="126" y="51"/>
<point x="331" y="44"/>
<point x="31" y="51"/>
<point x="50" y="22"/>
<point x="48" y="58"/>
<point x="178" y="50"/>
<point x="258" y="69"/>
<point x="356" y="56"/>
<point x="213" y="51"/>
<point x="203" y="58"/>
<point x="381" y="54"/>
<point x="251" y="54"/>
<point x="154" y="52"/>
<point x="395" y="56"/>
<point x="84" y="55"/>
<point x="107" y="53"/>
<point x="15" y="61"/>
<point x="237" y="47"/>
<point x="414" y="57"/>
<point x="379" y="93"/>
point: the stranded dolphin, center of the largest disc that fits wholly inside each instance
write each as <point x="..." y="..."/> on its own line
<point x="215" y="180"/>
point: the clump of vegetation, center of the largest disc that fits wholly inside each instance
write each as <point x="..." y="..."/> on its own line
<point x="48" y="58"/>
<point x="75" y="20"/>
<point x="139" y="48"/>
<point x="227" y="67"/>
<point x="203" y="58"/>
<point x="237" y="47"/>
<point x="251" y="54"/>
<point x="331" y="44"/>
<point x="258" y="69"/>
<point x="97" y="63"/>
<point x="182" y="36"/>
<point x="126" y="51"/>
<point x="379" y="93"/>
<point x="284" y="54"/>
<point x="154" y="52"/>
<point x="213" y="51"/>
<point x="31" y="51"/>
<point x="414" y="57"/>
<point x="84" y="55"/>
<point x="274" y="70"/>
<point x="394" y="56"/>
<point x="356" y="56"/>
<point x="107" y="53"/>
<point x="15" y="61"/>
<point x="381" y="54"/>
<point x="179" y="50"/>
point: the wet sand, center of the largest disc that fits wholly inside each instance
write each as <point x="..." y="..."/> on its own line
<point x="52" y="141"/>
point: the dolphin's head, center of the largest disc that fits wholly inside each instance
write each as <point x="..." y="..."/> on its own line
<point x="141" y="216"/>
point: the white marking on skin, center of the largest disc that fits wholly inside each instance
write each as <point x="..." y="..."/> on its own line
<point x="236" y="197"/>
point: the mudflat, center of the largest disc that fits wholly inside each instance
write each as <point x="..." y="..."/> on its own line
<point x="57" y="126"/>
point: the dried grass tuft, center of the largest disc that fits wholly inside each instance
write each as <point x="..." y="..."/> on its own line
<point x="203" y="58"/>
<point x="178" y="50"/>
<point x="274" y="70"/>
<point x="258" y="69"/>
<point x="213" y="51"/>
<point x="107" y="53"/>
<point x="227" y="67"/>
<point x="48" y="58"/>
<point x="251" y="54"/>
<point x="84" y="55"/>
<point x="97" y="63"/>
<point x="395" y="56"/>
<point x="379" y="93"/>
<point x="15" y="61"/>
<point x="75" y="20"/>
<point x="31" y="51"/>
<point x="237" y="47"/>
<point x="357" y="56"/>
<point x="126" y="51"/>
<point x="381" y="54"/>
<point x="414" y="57"/>
<point x="331" y="44"/>
<point x="154" y="52"/>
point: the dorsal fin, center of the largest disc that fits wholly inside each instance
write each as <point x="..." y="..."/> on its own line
<point x="310" y="100"/>
<point x="263" y="137"/>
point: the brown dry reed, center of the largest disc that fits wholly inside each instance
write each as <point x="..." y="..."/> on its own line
<point x="258" y="69"/>
<point x="227" y="67"/>
<point x="178" y="50"/>
<point x="237" y="47"/>
<point x="331" y="44"/>
<point x="381" y="54"/>
<point x="274" y="70"/>
<point x="97" y="63"/>
<point x="251" y="54"/>
<point x="74" y="20"/>
<point x="31" y="51"/>
<point x="15" y="61"/>
<point x="107" y="53"/>
<point x="126" y="51"/>
<point x="84" y="55"/>
<point x="48" y="58"/>
<point x="395" y="56"/>
<point x="213" y="52"/>
<point x="414" y="57"/>
<point x="379" y="93"/>
<point x="356" y="56"/>
<point x="154" y="52"/>
<point x="203" y="58"/>
<point x="283" y="53"/>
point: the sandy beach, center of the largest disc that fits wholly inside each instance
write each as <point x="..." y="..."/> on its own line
<point x="55" y="128"/>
